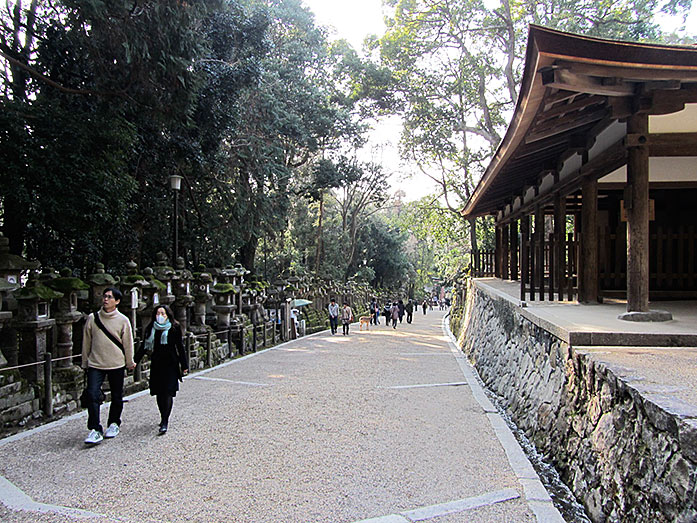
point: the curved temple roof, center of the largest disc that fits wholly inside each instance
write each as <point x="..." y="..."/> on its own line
<point x="573" y="88"/>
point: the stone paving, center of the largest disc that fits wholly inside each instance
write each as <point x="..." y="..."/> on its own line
<point x="383" y="426"/>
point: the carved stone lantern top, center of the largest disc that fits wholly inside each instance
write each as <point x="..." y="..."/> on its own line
<point x="34" y="300"/>
<point x="11" y="265"/>
<point x="69" y="286"/>
<point x="151" y="291"/>
<point x="202" y="286"/>
<point x="163" y="271"/>
<point x="132" y="278"/>
<point x="5" y="287"/>
<point x="101" y="277"/>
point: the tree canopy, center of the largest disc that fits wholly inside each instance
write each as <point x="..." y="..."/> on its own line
<point x="263" y="117"/>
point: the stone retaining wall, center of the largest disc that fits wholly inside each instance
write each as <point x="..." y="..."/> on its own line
<point x="627" y="456"/>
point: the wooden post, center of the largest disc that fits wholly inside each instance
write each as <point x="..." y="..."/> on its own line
<point x="540" y="251"/>
<point x="209" y="350"/>
<point x="498" y="258"/>
<point x="187" y="348"/>
<point x="637" y="206"/>
<point x="48" y="385"/>
<point x="524" y="254"/>
<point x="588" y="270"/>
<point x="505" y="246"/>
<point x="552" y="266"/>
<point x="560" y="244"/>
<point x="572" y="263"/>
<point x="513" y="234"/>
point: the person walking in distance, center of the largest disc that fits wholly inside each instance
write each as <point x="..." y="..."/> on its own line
<point x="333" y="315"/>
<point x="107" y="351"/>
<point x="400" y="304"/>
<point x="409" y="309"/>
<point x="162" y="342"/>
<point x="346" y="318"/>
<point x="394" y="313"/>
<point x="424" y="305"/>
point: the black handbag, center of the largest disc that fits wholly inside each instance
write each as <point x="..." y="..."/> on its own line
<point x="84" y="397"/>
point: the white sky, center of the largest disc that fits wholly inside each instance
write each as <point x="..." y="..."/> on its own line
<point x="354" y="20"/>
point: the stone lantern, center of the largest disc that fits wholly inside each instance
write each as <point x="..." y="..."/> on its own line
<point x="11" y="269"/>
<point x="223" y="304"/>
<point x="241" y="273"/>
<point x="202" y="296"/>
<point x="66" y="312"/>
<point x="5" y="315"/>
<point x="131" y="286"/>
<point x="32" y="322"/>
<point x="150" y="295"/>
<point x="284" y="297"/>
<point x="98" y="282"/>
<point x="166" y="275"/>
<point x="182" y="291"/>
<point x="294" y="282"/>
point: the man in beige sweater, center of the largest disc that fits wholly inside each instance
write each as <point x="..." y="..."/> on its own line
<point x="106" y="355"/>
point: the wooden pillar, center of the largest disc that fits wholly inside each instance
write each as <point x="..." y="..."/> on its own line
<point x="636" y="203"/>
<point x="513" y="234"/>
<point x="560" y="244"/>
<point x="505" y="245"/>
<point x="524" y="254"/>
<point x="540" y="251"/>
<point x="588" y="270"/>
<point x="499" y="252"/>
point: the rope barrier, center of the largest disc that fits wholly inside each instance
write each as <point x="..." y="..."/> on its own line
<point x="24" y="365"/>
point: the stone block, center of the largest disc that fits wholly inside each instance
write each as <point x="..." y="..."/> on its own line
<point x="10" y="388"/>
<point x="17" y="412"/>
<point x="680" y="474"/>
<point x="687" y="436"/>
<point x="658" y="416"/>
<point x="16" y="398"/>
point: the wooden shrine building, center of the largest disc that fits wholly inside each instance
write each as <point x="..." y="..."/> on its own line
<point x="594" y="186"/>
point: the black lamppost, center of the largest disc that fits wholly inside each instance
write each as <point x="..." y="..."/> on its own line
<point x="175" y="182"/>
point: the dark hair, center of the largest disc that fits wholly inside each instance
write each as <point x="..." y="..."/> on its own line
<point x="117" y="294"/>
<point x="333" y="299"/>
<point x="168" y="311"/>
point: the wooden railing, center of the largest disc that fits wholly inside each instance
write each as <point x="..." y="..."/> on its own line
<point x="672" y="262"/>
<point x="483" y="263"/>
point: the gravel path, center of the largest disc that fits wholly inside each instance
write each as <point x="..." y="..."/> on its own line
<point x="322" y="429"/>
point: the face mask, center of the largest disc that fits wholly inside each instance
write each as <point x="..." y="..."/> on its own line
<point x="161" y="319"/>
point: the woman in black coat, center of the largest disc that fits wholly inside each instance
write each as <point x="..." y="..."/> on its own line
<point x="162" y="342"/>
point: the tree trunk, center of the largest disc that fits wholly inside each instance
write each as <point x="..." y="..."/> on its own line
<point x="15" y="223"/>
<point x="248" y="253"/>
<point x="319" y="248"/>
<point x="473" y="234"/>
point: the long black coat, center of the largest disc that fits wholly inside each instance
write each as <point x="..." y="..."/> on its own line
<point x="167" y="361"/>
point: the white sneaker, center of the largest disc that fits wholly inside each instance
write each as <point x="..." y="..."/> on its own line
<point x="94" y="437"/>
<point x="112" y="431"/>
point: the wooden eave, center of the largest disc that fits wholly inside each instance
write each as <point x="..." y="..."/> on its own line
<point x="573" y="88"/>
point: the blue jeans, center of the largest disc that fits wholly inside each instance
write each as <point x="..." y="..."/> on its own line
<point x="334" y="323"/>
<point x="95" y="378"/>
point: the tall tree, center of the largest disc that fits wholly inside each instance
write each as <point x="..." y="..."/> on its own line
<point x="89" y="81"/>
<point x="363" y="190"/>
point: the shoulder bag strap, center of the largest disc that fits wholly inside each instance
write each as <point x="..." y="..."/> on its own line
<point x="114" y="339"/>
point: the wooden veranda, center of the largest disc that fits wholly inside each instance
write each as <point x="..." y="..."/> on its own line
<point x="595" y="183"/>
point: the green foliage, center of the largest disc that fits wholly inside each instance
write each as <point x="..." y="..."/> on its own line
<point x="458" y="66"/>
